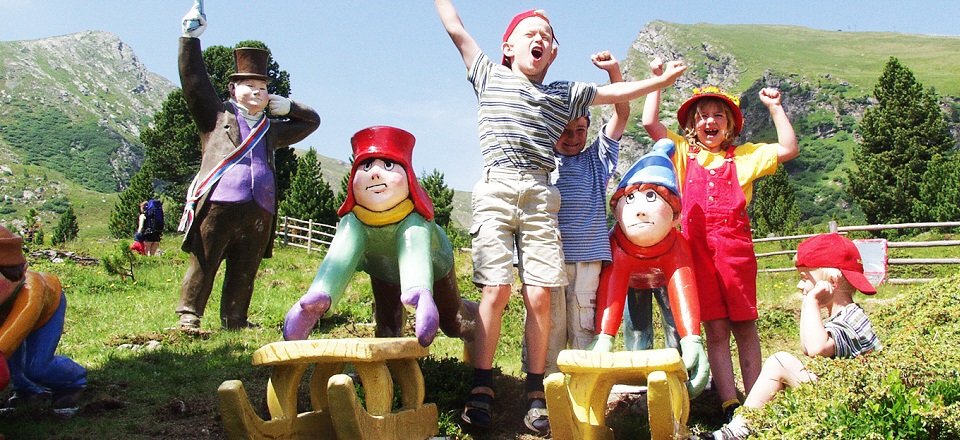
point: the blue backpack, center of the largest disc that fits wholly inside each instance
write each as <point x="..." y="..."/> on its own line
<point x="154" y="217"/>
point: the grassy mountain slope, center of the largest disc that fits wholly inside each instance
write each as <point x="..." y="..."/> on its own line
<point x="827" y="79"/>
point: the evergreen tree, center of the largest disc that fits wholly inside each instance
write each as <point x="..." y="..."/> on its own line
<point x="172" y="143"/>
<point x="344" y="185"/>
<point x="310" y="197"/>
<point x="900" y="135"/>
<point x="67" y="229"/>
<point x="441" y="195"/>
<point x="774" y="209"/>
<point x="126" y="212"/>
<point x="940" y="190"/>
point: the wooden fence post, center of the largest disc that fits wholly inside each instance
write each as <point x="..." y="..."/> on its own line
<point x="286" y="230"/>
<point x="309" y="235"/>
<point x="833" y="226"/>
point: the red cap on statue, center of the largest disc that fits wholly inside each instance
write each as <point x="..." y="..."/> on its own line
<point x="395" y="144"/>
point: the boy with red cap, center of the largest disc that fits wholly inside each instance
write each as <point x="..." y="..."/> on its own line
<point x="716" y="182"/>
<point x="32" y="309"/>
<point x="831" y="272"/>
<point x="520" y="121"/>
<point x="387" y="230"/>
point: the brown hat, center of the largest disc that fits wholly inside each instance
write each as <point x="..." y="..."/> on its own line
<point x="251" y="63"/>
<point x="11" y="248"/>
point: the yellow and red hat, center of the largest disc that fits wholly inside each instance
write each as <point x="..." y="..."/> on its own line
<point x="733" y="102"/>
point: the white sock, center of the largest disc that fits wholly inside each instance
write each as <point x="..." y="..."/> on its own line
<point x="737" y="426"/>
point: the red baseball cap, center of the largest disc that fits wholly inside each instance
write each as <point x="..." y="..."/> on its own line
<point x="834" y="250"/>
<point x="516" y="21"/>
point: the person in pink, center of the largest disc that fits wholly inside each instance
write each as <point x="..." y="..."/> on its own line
<point x="716" y="178"/>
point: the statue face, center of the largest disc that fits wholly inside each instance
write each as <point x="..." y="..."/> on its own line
<point x="380" y="184"/>
<point x="251" y="94"/>
<point x="644" y="217"/>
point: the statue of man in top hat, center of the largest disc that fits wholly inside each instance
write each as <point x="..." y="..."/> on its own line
<point x="231" y="204"/>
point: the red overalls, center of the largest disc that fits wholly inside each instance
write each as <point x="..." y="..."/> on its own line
<point x="714" y="220"/>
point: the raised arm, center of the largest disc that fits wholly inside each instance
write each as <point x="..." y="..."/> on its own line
<point x="451" y="22"/>
<point x="651" y="107"/>
<point x="788" y="147"/>
<point x="621" y="110"/>
<point x="814" y="339"/>
<point x="630" y="90"/>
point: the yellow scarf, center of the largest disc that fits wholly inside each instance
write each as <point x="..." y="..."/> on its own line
<point x="381" y="218"/>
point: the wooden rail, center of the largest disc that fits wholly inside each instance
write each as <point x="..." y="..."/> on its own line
<point x="890" y="244"/>
<point x="306" y="234"/>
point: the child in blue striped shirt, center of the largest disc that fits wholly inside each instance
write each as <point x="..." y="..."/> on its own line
<point x="831" y="272"/>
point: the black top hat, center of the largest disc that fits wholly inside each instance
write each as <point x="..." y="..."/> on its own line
<point x="251" y="63"/>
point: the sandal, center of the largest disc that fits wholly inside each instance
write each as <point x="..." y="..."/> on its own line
<point x="477" y="408"/>
<point x="537" y="419"/>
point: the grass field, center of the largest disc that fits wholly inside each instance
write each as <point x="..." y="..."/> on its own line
<point x="141" y="389"/>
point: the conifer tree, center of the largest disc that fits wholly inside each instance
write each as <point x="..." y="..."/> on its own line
<point x="900" y="136"/>
<point x="774" y="209"/>
<point x="126" y="212"/>
<point x="441" y="195"/>
<point x="940" y="190"/>
<point x="67" y="229"/>
<point x="309" y="197"/>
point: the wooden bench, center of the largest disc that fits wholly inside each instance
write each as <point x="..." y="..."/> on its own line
<point x="577" y="395"/>
<point x="336" y="412"/>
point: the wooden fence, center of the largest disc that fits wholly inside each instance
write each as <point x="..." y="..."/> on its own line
<point x="306" y="234"/>
<point x="833" y="227"/>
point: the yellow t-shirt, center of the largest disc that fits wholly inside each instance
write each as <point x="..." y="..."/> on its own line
<point x="753" y="161"/>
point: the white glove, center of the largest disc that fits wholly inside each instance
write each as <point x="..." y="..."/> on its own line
<point x="195" y="21"/>
<point x="602" y="343"/>
<point x="278" y="105"/>
<point x="695" y="360"/>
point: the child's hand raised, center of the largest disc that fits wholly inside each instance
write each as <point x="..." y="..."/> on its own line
<point x="605" y="60"/>
<point x="770" y="96"/>
<point x="672" y="70"/>
<point x="656" y="66"/>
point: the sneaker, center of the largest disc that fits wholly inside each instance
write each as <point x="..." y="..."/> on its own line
<point x="19" y="399"/>
<point x="189" y="321"/>
<point x="726" y="433"/>
<point x="238" y="324"/>
<point x="65" y="402"/>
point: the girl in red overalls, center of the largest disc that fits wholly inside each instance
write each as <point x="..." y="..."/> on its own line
<point x="716" y="180"/>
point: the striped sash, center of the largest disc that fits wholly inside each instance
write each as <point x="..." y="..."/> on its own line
<point x="201" y="186"/>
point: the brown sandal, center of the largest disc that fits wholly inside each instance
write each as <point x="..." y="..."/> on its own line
<point x="477" y="408"/>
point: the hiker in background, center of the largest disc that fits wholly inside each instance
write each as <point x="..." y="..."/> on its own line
<point x="150" y="227"/>
<point x="231" y="204"/>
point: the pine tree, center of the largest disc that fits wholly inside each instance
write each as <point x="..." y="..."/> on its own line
<point x="67" y="229"/>
<point x="940" y="190"/>
<point x="774" y="209"/>
<point x="900" y="136"/>
<point x="309" y="197"/>
<point x="441" y="195"/>
<point x="126" y="212"/>
<point x="344" y="186"/>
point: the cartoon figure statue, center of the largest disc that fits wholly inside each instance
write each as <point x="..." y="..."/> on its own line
<point x="648" y="253"/>
<point x="32" y="309"/>
<point x="387" y="230"/>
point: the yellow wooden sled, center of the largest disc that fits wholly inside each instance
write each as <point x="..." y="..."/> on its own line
<point x="336" y="412"/>
<point x="577" y="395"/>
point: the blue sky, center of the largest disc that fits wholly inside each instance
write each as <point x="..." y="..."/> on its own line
<point x="363" y="63"/>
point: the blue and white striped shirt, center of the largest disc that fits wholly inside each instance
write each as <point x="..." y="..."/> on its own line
<point x="582" y="181"/>
<point x="851" y="332"/>
<point x="520" y="121"/>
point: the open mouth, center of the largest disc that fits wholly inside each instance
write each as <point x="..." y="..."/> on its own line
<point x="711" y="132"/>
<point x="377" y="188"/>
<point x="537" y="53"/>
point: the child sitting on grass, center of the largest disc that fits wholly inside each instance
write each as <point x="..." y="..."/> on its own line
<point x="830" y="274"/>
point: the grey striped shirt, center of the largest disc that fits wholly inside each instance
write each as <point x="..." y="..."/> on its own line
<point x="520" y="121"/>
<point x="851" y="332"/>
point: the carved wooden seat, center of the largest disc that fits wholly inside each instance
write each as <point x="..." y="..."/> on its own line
<point x="577" y="395"/>
<point x="336" y="412"/>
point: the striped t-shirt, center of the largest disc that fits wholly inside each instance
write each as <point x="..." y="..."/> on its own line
<point x="851" y="332"/>
<point x="520" y="121"/>
<point x="582" y="181"/>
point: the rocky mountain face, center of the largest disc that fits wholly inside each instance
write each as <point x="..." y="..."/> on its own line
<point x="76" y="104"/>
